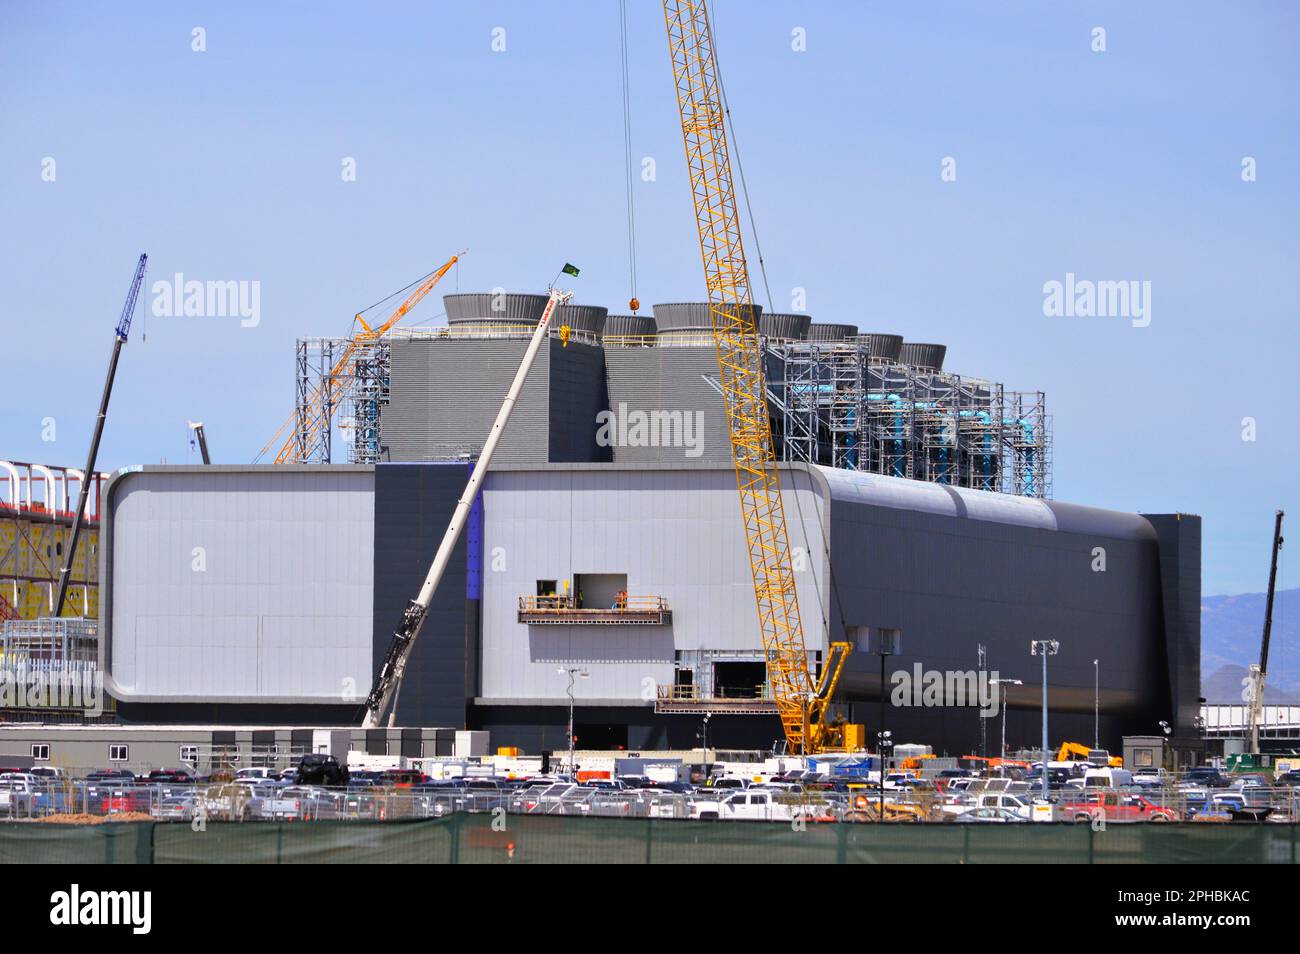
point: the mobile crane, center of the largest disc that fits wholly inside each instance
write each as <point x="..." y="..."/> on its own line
<point x="1259" y="673"/>
<point x="88" y="481"/>
<point x="801" y="704"/>
<point x="383" y="695"/>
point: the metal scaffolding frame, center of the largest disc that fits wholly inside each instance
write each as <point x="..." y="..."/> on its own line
<point x="832" y="403"/>
<point x="836" y="404"/>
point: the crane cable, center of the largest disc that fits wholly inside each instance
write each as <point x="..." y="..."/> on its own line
<point x="762" y="268"/>
<point x="629" y="177"/>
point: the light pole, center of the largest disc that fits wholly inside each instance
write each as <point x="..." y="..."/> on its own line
<point x="1096" y="704"/>
<point x="704" y="735"/>
<point x="1002" y="761"/>
<point x="1044" y="648"/>
<point x="889" y="643"/>
<point x="572" y="673"/>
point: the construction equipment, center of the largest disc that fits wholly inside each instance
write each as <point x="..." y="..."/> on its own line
<point x="1078" y="752"/>
<point x="1259" y="673"/>
<point x="802" y="706"/>
<point x="197" y="428"/>
<point x="383" y="695"/>
<point x="315" y="411"/>
<point x="88" y="481"/>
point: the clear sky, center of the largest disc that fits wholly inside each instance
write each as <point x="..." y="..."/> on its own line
<point x="226" y="164"/>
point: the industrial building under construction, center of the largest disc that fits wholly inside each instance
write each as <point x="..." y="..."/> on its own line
<point x="602" y="557"/>
<point x="706" y="524"/>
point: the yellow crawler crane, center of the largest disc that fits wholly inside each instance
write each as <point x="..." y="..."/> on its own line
<point x="800" y="702"/>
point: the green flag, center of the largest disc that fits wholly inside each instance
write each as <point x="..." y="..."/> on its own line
<point x="569" y="269"/>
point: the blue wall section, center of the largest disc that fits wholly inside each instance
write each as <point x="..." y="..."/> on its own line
<point x="413" y="505"/>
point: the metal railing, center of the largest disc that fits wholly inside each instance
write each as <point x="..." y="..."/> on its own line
<point x="569" y="603"/>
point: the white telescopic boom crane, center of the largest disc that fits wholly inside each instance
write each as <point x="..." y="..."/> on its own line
<point x="389" y="680"/>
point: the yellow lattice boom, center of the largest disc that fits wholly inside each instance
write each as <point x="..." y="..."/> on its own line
<point x="320" y="407"/>
<point x="744" y="391"/>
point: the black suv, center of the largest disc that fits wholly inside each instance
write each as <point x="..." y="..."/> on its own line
<point x="319" y="769"/>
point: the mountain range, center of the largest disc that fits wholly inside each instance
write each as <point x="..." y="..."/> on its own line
<point x="1231" y="629"/>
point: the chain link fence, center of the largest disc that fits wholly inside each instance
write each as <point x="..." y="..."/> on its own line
<point x="541" y="839"/>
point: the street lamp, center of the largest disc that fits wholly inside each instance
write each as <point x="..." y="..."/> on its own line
<point x="704" y="735"/>
<point x="888" y="644"/>
<point x="1002" y="763"/>
<point x="1096" y="704"/>
<point x="1044" y="648"/>
<point x="572" y="674"/>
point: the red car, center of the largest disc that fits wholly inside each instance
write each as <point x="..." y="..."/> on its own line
<point x="1116" y="807"/>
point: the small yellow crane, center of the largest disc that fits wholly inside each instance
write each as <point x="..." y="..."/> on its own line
<point x="320" y="413"/>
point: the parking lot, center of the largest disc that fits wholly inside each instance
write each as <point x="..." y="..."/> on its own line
<point x="796" y="797"/>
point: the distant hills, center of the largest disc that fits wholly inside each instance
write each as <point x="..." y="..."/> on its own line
<point x="1231" y="628"/>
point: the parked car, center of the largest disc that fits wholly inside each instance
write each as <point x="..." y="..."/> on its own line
<point x="18" y="796"/>
<point x="177" y="807"/>
<point x="316" y="768"/>
<point x="1204" y="777"/>
<point x="1150" y="777"/>
<point x="1115" y="807"/>
<point x="983" y="815"/>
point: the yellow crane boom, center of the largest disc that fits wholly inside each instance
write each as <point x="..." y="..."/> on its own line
<point x="320" y="413"/>
<point x="800" y="704"/>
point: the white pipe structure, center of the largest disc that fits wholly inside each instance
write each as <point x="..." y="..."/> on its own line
<point x="389" y="680"/>
<point x="67" y="485"/>
<point x="51" y="499"/>
<point x="15" y="497"/>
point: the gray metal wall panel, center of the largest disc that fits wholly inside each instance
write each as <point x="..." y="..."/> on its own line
<point x="445" y="393"/>
<point x="281" y="609"/>
<point x="675" y="533"/>
<point x="646" y="380"/>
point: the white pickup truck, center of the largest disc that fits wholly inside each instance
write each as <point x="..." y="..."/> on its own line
<point x="757" y="805"/>
<point x="17" y="797"/>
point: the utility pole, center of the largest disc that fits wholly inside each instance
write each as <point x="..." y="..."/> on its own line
<point x="1044" y="648"/>
<point x="1096" y="703"/>
<point x="1002" y="762"/>
<point x="984" y="742"/>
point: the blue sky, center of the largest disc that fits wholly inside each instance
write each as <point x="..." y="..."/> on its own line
<point x="1115" y="165"/>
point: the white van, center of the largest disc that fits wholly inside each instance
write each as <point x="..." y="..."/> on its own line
<point x="1107" y="778"/>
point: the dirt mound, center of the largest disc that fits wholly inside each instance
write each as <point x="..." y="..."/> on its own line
<point x="82" y="818"/>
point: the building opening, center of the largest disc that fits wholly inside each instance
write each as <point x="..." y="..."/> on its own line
<point x="599" y="590"/>
<point x="599" y="735"/>
<point x="739" y="680"/>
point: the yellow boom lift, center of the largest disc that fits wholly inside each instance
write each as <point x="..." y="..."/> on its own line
<point x="801" y="702"/>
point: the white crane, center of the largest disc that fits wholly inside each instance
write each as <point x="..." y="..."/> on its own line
<point x="389" y="681"/>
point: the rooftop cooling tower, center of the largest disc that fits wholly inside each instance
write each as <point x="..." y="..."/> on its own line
<point x="928" y="356"/>
<point x="825" y="331"/>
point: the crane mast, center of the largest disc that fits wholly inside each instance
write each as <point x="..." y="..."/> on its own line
<point x="800" y="704"/>
<point x="88" y="481"/>
<point x="1259" y="673"/>
<point x="383" y="694"/>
